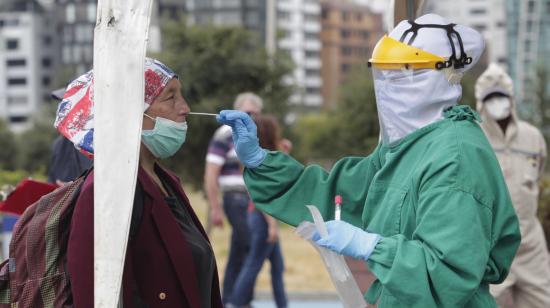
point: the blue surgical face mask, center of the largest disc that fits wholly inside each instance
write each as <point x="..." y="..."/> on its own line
<point x="166" y="138"/>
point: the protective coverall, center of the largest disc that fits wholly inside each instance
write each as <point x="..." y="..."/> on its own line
<point x="431" y="196"/>
<point x="437" y="198"/>
<point x="521" y="152"/>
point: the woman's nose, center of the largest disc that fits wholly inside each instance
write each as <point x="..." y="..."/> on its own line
<point x="183" y="107"/>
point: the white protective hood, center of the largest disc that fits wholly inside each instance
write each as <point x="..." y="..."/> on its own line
<point x="409" y="100"/>
<point x="494" y="79"/>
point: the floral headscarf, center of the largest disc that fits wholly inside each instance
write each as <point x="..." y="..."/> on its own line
<point x="75" y="118"/>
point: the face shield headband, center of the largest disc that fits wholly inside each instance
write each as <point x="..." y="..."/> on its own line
<point x="454" y="61"/>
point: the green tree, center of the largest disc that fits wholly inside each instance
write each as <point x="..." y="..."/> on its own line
<point x="215" y="64"/>
<point x="352" y="128"/>
<point x="34" y="145"/>
<point x="9" y="148"/>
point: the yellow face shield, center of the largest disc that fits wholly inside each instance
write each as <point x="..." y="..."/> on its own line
<point x="390" y="54"/>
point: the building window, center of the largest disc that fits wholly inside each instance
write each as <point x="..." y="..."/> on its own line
<point x="480" y="11"/>
<point x="364" y="35"/>
<point x="46" y="62"/>
<point x="12" y="44"/>
<point x="16" y="62"/>
<point x="346" y="51"/>
<point x="283" y="15"/>
<point x="324" y="13"/>
<point x="311" y="18"/>
<point x="312" y="72"/>
<point x="312" y="90"/>
<point x="70" y="13"/>
<point x="359" y="17"/>
<point x="345" y="33"/>
<point x="18" y="119"/>
<point x="91" y="12"/>
<point x="17" y="81"/>
<point x="46" y="81"/>
<point x="10" y="22"/>
<point x="312" y="54"/>
<point x="345" y="68"/>
<point x="311" y="36"/>
<point x="345" y="16"/>
<point x="17" y="100"/>
<point x="67" y="55"/>
<point x="67" y="34"/>
<point x="47" y="40"/>
<point x="480" y="27"/>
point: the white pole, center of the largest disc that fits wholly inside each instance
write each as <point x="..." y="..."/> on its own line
<point x="271" y="27"/>
<point x="119" y="52"/>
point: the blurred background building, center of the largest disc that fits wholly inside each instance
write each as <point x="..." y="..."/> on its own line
<point x="298" y="33"/>
<point x="528" y="48"/>
<point x="518" y="37"/>
<point x="349" y="33"/>
<point x="244" y="13"/>
<point x="299" y="21"/>
<point x="46" y="42"/>
<point x="26" y="60"/>
<point x="486" y="16"/>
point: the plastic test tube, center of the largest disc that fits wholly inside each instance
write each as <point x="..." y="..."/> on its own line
<point x="338" y="207"/>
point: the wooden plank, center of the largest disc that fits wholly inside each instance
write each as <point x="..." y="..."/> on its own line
<point x="119" y="52"/>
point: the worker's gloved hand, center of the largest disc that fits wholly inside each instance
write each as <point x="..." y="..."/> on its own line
<point x="245" y="137"/>
<point x="346" y="239"/>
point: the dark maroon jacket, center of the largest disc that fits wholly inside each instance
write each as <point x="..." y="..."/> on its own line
<point x="158" y="257"/>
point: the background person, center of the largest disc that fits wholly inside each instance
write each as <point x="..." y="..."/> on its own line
<point x="264" y="231"/>
<point x="224" y="174"/>
<point x="169" y="261"/>
<point x="67" y="163"/>
<point x="521" y="152"/>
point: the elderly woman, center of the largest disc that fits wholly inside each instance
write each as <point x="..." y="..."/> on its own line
<point x="169" y="261"/>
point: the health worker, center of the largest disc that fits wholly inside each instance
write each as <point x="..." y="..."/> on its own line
<point x="428" y="210"/>
<point x="521" y="152"/>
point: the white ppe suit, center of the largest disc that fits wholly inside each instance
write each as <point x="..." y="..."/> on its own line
<point x="521" y="152"/>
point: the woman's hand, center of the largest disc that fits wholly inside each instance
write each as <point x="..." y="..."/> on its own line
<point x="272" y="229"/>
<point x="216" y="217"/>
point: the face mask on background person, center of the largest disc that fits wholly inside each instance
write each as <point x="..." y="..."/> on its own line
<point x="166" y="138"/>
<point x="498" y="108"/>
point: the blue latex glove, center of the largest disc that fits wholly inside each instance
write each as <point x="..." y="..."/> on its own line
<point x="245" y="137"/>
<point x="346" y="239"/>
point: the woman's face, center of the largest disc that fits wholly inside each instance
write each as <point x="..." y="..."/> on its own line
<point x="170" y="104"/>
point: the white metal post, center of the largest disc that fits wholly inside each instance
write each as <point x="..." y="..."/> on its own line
<point x="119" y="52"/>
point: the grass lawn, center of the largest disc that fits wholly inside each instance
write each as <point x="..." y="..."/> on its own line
<point x="304" y="269"/>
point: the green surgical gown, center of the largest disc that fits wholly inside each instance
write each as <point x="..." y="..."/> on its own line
<point x="437" y="197"/>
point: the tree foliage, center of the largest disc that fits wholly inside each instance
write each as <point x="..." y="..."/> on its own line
<point x="214" y="65"/>
<point x="350" y="129"/>
<point x="34" y="145"/>
<point x="8" y="154"/>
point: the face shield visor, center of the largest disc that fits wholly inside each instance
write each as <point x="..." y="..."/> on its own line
<point x="414" y="86"/>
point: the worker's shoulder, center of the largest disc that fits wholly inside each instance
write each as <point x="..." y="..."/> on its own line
<point x="461" y="145"/>
<point x="528" y="129"/>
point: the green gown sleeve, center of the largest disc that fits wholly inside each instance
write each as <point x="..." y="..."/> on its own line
<point x="282" y="187"/>
<point x="446" y="260"/>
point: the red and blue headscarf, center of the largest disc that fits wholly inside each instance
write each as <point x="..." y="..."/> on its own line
<point x="75" y="118"/>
